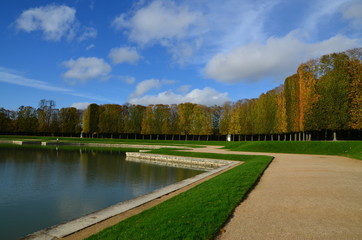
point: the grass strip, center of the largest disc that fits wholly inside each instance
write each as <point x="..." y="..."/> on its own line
<point x="103" y="140"/>
<point x="69" y="148"/>
<point x="352" y="149"/>
<point x="198" y="213"/>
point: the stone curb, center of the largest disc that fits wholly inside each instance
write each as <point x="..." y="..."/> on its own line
<point x="207" y="162"/>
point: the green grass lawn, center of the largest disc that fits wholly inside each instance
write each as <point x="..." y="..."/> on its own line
<point x="198" y="213"/>
<point x="352" y="149"/>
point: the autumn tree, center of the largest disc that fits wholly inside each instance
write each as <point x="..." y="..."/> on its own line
<point x="333" y="88"/>
<point x="201" y="121"/>
<point x="235" y="119"/>
<point x="216" y="115"/>
<point x="26" y="120"/>
<point x="134" y="119"/>
<point x="291" y="91"/>
<point x="225" y="118"/>
<point x="91" y="119"/>
<point x="174" y="127"/>
<point x="185" y="114"/>
<point x="355" y="89"/>
<point x="281" y="122"/>
<point x="148" y="121"/>
<point x="69" y="120"/>
<point x="6" y="120"/>
<point x="110" y="121"/>
<point x="45" y="111"/>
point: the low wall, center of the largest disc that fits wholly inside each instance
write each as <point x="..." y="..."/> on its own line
<point x="177" y="160"/>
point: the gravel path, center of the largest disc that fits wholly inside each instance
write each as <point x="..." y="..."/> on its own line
<point x="300" y="197"/>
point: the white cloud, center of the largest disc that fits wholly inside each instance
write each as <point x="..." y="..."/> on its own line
<point x="53" y="20"/>
<point x="353" y="11"/>
<point x="124" y="55"/>
<point x="80" y="105"/>
<point x="184" y="88"/>
<point x="87" y="68"/>
<point x="278" y="57"/>
<point x="207" y="96"/>
<point x="88" y="32"/>
<point x="149" y="84"/>
<point x="146" y="86"/>
<point x="160" y="20"/>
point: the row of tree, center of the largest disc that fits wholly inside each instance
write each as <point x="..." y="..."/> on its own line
<point x="44" y="120"/>
<point x="324" y="95"/>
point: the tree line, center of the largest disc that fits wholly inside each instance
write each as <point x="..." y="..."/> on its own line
<point x="321" y="100"/>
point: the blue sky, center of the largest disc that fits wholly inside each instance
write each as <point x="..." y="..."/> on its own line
<point x="78" y="52"/>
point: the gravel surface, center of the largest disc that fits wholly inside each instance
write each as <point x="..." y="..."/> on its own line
<point x="300" y="197"/>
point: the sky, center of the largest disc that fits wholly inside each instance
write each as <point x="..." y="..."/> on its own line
<point x="78" y="52"/>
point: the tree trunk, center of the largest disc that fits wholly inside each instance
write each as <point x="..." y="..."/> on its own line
<point x="252" y="138"/>
<point x="207" y="139"/>
<point x="272" y="137"/>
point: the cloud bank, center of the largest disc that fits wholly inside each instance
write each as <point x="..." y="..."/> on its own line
<point x="206" y="96"/>
<point x="278" y="57"/>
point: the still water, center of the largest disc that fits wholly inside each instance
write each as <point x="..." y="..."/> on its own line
<point x="41" y="187"/>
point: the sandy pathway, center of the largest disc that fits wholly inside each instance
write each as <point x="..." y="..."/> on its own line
<point x="300" y="197"/>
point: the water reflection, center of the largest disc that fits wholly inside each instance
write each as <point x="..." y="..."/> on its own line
<point x="40" y="187"/>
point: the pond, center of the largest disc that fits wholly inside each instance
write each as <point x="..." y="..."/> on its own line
<point x="42" y="187"/>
